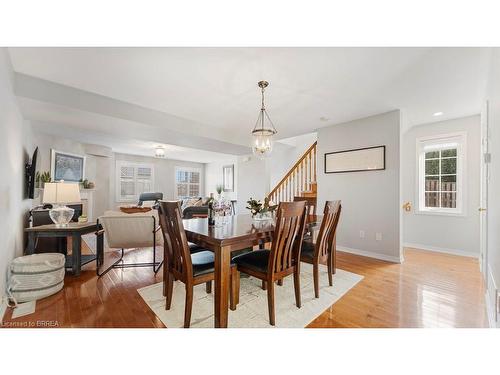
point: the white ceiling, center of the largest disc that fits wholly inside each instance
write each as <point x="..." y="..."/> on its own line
<point x="216" y="88"/>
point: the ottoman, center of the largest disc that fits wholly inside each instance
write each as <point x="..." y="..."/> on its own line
<point x="36" y="276"/>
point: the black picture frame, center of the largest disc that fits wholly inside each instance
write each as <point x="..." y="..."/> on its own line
<point x="354" y="150"/>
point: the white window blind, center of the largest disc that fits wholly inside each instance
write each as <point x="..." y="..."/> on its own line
<point x="133" y="179"/>
<point x="187" y="182"/>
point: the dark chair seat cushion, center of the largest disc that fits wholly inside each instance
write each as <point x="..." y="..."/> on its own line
<point x="256" y="260"/>
<point x="307" y="251"/>
<point x="203" y="262"/>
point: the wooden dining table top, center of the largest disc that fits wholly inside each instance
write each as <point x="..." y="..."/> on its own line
<point x="235" y="228"/>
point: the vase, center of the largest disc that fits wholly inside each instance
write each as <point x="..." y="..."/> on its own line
<point x="263" y="216"/>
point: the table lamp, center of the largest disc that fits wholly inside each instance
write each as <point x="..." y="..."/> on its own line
<point x="59" y="194"/>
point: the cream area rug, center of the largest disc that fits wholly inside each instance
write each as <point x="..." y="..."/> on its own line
<point x="252" y="310"/>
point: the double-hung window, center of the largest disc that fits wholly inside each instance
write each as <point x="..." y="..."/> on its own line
<point x="441" y="173"/>
<point x="132" y="179"/>
<point x="187" y="182"/>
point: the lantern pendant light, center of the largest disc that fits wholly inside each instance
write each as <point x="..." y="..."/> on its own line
<point x="263" y="134"/>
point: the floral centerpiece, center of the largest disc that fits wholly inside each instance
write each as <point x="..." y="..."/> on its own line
<point x="261" y="211"/>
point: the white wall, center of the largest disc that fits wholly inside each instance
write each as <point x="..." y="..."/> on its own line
<point x="214" y="176"/>
<point x="15" y="150"/>
<point x="253" y="181"/>
<point x="457" y="234"/>
<point x="493" y="97"/>
<point x="370" y="200"/>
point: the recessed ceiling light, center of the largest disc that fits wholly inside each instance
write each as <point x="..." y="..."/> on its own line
<point x="437" y="114"/>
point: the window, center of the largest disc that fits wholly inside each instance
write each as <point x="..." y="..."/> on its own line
<point x="440" y="174"/>
<point x="187" y="182"/>
<point x="133" y="179"/>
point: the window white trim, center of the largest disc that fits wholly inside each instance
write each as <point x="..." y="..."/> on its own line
<point x="124" y="163"/>
<point x="187" y="169"/>
<point x="458" y="139"/>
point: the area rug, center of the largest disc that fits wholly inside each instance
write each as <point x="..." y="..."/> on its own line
<point x="252" y="310"/>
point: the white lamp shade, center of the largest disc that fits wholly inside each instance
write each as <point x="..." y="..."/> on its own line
<point x="61" y="193"/>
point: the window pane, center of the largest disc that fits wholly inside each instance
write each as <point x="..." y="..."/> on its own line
<point x="431" y="167"/>
<point x="194" y="177"/>
<point x="194" y="190"/>
<point x="449" y="166"/>
<point x="432" y="183"/>
<point x="449" y="183"/>
<point x="182" y="190"/>
<point x="431" y="200"/>
<point x="127" y="172"/>
<point x="182" y="176"/>
<point x="432" y="154"/>
<point x="450" y="152"/>
<point x="143" y="172"/>
<point x="449" y="200"/>
<point x="127" y="188"/>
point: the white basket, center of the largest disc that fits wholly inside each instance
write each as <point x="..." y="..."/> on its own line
<point x="36" y="276"/>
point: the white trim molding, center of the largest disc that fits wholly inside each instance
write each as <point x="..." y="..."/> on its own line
<point x="490" y="300"/>
<point x="369" y="254"/>
<point x="444" y="250"/>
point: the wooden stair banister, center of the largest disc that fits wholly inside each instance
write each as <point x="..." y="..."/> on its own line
<point x="299" y="179"/>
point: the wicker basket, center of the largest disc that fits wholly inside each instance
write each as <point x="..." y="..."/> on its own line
<point x="36" y="276"/>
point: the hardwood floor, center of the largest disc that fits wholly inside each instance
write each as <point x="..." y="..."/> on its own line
<point x="427" y="290"/>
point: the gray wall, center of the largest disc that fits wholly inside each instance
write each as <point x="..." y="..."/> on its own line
<point x="446" y="233"/>
<point x="15" y="150"/>
<point x="370" y="200"/>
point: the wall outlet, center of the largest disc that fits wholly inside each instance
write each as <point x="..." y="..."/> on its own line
<point x="361" y="234"/>
<point x="378" y="236"/>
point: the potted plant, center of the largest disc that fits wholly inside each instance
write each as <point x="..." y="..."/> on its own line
<point x="261" y="211"/>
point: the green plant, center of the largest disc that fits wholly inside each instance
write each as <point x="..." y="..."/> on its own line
<point x="257" y="207"/>
<point x="42" y="178"/>
<point x="219" y="188"/>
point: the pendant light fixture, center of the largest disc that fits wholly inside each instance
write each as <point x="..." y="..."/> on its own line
<point x="160" y="152"/>
<point x="262" y="134"/>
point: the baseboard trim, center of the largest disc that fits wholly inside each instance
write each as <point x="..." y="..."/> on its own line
<point x="443" y="250"/>
<point x="3" y="308"/>
<point x="369" y="254"/>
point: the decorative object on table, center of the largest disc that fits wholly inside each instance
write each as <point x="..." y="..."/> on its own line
<point x="261" y="211"/>
<point x="36" y="276"/>
<point x="59" y="194"/>
<point x="219" y="189"/>
<point x="67" y="167"/>
<point x="211" y="219"/>
<point x="41" y="179"/>
<point x="263" y="134"/>
<point x="134" y="209"/>
<point x="86" y="184"/>
<point x="83" y="219"/>
<point x="228" y="178"/>
<point x="357" y="160"/>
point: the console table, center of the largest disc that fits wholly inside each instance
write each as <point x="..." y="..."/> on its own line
<point x="73" y="230"/>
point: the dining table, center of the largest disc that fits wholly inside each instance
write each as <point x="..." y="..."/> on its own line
<point x="229" y="234"/>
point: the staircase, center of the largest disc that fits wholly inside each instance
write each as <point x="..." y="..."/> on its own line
<point x="300" y="181"/>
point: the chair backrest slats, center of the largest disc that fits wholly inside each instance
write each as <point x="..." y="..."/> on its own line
<point x="288" y="231"/>
<point x="328" y="228"/>
<point x="310" y="204"/>
<point x="177" y="254"/>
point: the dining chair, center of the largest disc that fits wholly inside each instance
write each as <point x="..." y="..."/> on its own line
<point x="183" y="265"/>
<point x="323" y="251"/>
<point x="283" y="258"/>
<point x="310" y="204"/>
